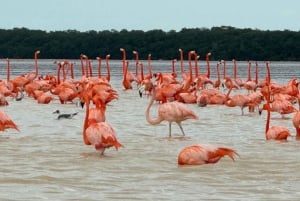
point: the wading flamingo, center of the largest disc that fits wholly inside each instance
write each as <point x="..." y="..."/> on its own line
<point x="274" y="132"/>
<point x="21" y="80"/>
<point x="203" y="154"/>
<point x="6" y="122"/>
<point x="99" y="134"/>
<point x="171" y="112"/>
<point x="296" y="124"/>
<point x="32" y="75"/>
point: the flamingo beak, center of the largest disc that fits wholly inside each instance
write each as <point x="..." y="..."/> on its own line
<point x="141" y="90"/>
<point x="82" y="104"/>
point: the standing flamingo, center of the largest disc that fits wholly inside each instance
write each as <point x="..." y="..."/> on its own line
<point x="171" y="112"/>
<point x="296" y="124"/>
<point x="99" y="134"/>
<point x="107" y="77"/>
<point x="204" y="154"/>
<point x="217" y="83"/>
<point x="237" y="80"/>
<point x="6" y="122"/>
<point x="21" y="80"/>
<point x="32" y="75"/>
<point x="274" y="132"/>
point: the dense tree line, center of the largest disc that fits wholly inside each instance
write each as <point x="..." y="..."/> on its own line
<point x="223" y="42"/>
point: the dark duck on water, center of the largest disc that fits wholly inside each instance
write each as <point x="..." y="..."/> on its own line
<point x="65" y="116"/>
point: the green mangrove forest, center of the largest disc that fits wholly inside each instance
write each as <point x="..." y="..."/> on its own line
<point x="223" y="42"/>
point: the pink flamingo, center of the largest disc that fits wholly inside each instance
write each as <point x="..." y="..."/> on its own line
<point x="99" y="134"/>
<point x="149" y="76"/>
<point x="137" y="75"/>
<point x="239" y="100"/>
<point x="274" y="132"/>
<point x="296" y="124"/>
<point x="99" y="66"/>
<point x="126" y="81"/>
<point x="250" y="84"/>
<point x="22" y="80"/>
<point x="129" y="76"/>
<point x="217" y="83"/>
<point x="204" y="154"/>
<point x="146" y="83"/>
<point x="107" y="77"/>
<point x="208" y="64"/>
<point x="237" y="80"/>
<point x="6" y="122"/>
<point x="171" y="112"/>
<point x="32" y="75"/>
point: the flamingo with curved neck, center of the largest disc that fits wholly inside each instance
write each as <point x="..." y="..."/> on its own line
<point x="171" y="112"/>
<point x="275" y="132"/>
<point x="149" y="76"/>
<point x="208" y="64"/>
<point x="99" y="66"/>
<point x="107" y="67"/>
<point x="31" y="76"/>
<point x="181" y="60"/>
<point x="99" y="134"/>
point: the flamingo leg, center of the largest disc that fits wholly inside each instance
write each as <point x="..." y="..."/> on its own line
<point x="180" y="126"/>
<point x="170" y="129"/>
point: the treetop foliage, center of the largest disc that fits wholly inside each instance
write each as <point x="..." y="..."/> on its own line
<point x="223" y="42"/>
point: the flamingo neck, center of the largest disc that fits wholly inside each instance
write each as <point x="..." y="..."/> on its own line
<point x="218" y="72"/>
<point x="72" y="71"/>
<point x="268" y="120"/>
<point x="196" y="66"/>
<point x="8" y="71"/>
<point x="228" y="101"/>
<point x="36" y="65"/>
<point x="149" y="65"/>
<point x="58" y="73"/>
<point x="151" y="121"/>
<point x="298" y="133"/>
<point x="99" y="68"/>
<point x="234" y="69"/>
<point x="86" y="123"/>
<point x="224" y="70"/>
<point x="181" y="61"/>
<point x="249" y="71"/>
<point x="142" y="71"/>
<point x="208" y="66"/>
<point x="108" y="70"/>
<point x="256" y="73"/>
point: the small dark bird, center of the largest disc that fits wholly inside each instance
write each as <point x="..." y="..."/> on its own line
<point x="65" y="116"/>
<point x="19" y="98"/>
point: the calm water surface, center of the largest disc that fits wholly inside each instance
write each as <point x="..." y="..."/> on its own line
<point x="47" y="159"/>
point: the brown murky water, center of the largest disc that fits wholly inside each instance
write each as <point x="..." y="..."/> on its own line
<point x="47" y="159"/>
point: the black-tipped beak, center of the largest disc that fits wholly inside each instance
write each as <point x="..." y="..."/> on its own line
<point x="141" y="94"/>
<point x="82" y="104"/>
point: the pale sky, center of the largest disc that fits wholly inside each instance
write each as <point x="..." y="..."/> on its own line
<point x="99" y="15"/>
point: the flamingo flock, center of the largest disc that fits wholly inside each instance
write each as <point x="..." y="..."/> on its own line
<point x="172" y="91"/>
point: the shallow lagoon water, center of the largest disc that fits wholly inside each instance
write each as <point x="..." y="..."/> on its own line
<point x="47" y="159"/>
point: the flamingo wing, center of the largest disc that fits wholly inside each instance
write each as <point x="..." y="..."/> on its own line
<point x="203" y="154"/>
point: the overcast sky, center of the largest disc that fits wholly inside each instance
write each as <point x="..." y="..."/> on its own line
<point x="99" y="15"/>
